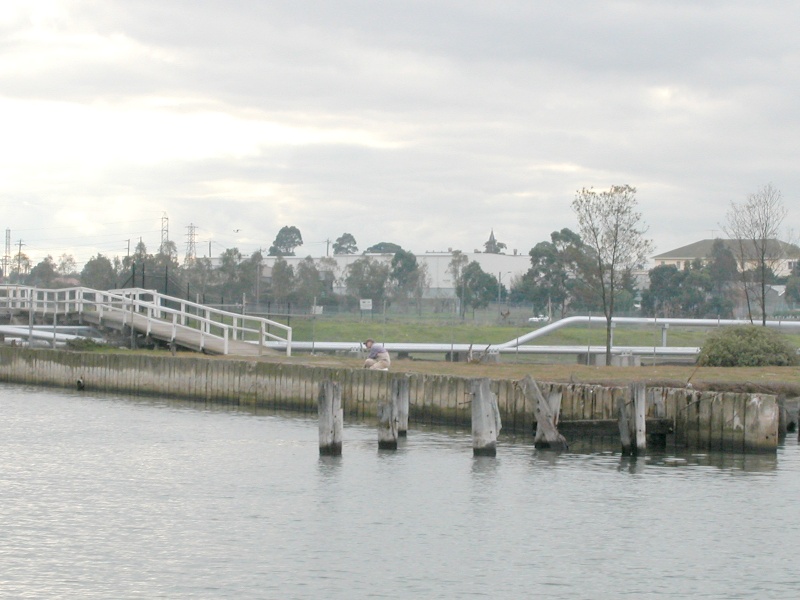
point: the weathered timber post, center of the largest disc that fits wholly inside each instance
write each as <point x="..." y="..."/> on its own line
<point x="546" y="411"/>
<point x="331" y="418"/>
<point x="400" y="401"/>
<point x="631" y="412"/>
<point x="485" y="419"/>
<point x="387" y="425"/>
<point x="761" y="423"/>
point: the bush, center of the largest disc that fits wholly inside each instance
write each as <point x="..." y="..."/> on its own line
<point x="747" y="346"/>
<point x="85" y="345"/>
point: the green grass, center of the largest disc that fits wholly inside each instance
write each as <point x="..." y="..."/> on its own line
<point x="408" y="329"/>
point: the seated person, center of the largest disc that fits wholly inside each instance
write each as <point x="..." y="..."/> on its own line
<point x="378" y="358"/>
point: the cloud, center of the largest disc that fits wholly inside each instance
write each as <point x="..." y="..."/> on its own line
<point x="422" y="123"/>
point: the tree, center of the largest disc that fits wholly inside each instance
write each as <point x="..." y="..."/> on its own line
<point x="662" y="297"/>
<point x="66" y="265"/>
<point x="421" y="284"/>
<point x="367" y="278"/>
<point x="755" y="225"/>
<point x="98" y="273"/>
<point x="404" y="274"/>
<point x="43" y="273"/>
<point x="20" y="265"/>
<point x="457" y="263"/>
<point x="250" y="275"/>
<point x="383" y="248"/>
<point x="229" y="270"/>
<point x="492" y="246"/>
<point x="308" y="284"/>
<point x="167" y="255"/>
<point x="722" y="266"/>
<point x="345" y="244"/>
<point x="476" y="287"/>
<point x="286" y="241"/>
<point x="611" y="226"/>
<point x="199" y="274"/>
<point x="282" y="280"/>
<point x="688" y="293"/>
<point x="555" y="276"/>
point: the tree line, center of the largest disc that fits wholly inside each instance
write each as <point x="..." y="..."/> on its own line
<point x="590" y="270"/>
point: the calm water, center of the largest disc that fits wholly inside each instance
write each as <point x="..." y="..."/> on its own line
<point x="116" y="497"/>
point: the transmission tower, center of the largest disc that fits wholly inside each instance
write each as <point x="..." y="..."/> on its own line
<point x="191" y="243"/>
<point x="163" y="250"/>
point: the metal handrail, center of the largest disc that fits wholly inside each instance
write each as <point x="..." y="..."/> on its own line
<point x="150" y="304"/>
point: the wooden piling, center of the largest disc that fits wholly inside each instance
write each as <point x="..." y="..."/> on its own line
<point x="400" y="399"/>
<point x="331" y="418"/>
<point x="485" y="419"/>
<point x="546" y="411"/>
<point x="387" y="426"/>
<point x="761" y="423"/>
<point x="631" y="414"/>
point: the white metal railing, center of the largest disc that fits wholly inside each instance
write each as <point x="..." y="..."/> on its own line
<point x="143" y="309"/>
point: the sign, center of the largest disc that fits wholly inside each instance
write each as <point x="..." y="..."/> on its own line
<point x="366" y="304"/>
<point x="317" y="310"/>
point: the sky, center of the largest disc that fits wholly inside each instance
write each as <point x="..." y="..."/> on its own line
<point x="426" y="123"/>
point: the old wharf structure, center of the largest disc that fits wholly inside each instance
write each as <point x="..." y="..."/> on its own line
<point x="684" y="416"/>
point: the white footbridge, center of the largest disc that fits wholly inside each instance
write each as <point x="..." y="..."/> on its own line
<point x="198" y="327"/>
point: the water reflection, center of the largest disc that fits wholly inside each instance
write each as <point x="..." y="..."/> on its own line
<point x="329" y="466"/>
<point x="484" y="467"/>
<point x="635" y="465"/>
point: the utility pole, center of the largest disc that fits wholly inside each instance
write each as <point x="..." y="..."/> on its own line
<point x="7" y="255"/>
<point x="19" y="260"/>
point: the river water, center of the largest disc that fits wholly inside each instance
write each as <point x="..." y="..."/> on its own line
<point x="107" y="496"/>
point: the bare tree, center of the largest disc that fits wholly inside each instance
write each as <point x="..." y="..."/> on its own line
<point x="66" y="265"/>
<point x="754" y="226"/>
<point x="457" y="263"/>
<point x="611" y="226"/>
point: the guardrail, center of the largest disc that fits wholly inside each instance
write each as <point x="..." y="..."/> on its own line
<point x="146" y="309"/>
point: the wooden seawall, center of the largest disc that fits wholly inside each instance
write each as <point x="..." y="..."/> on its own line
<point x="702" y="420"/>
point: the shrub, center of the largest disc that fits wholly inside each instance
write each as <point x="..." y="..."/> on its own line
<point x="747" y="346"/>
<point x="85" y="345"/>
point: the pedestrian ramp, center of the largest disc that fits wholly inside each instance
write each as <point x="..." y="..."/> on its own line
<point x="137" y="311"/>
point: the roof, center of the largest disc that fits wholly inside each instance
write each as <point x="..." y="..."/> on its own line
<point x="702" y="249"/>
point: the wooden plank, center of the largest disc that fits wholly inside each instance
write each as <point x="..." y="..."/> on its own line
<point x="761" y="423"/>
<point x="733" y="422"/>
<point x="704" y="420"/>
<point x="717" y="425"/>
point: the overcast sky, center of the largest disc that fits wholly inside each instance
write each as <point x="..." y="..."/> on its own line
<point x="426" y="123"/>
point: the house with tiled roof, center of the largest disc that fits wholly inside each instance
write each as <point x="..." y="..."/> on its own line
<point x="787" y="255"/>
